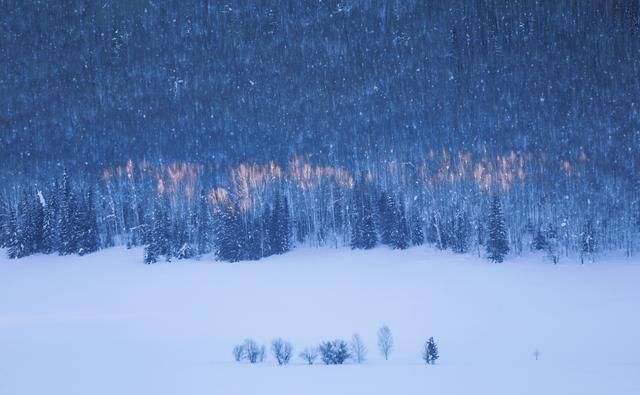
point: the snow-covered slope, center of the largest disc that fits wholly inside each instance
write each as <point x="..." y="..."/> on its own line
<point x="107" y="324"/>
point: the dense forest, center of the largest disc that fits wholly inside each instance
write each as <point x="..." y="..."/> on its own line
<point x="246" y="128"/>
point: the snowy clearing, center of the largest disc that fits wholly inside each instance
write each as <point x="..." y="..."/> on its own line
<point x="107" y="324"/>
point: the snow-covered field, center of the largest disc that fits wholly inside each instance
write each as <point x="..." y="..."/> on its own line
<point x="107" y="324"/>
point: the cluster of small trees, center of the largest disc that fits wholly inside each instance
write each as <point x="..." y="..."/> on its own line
<point x="59" y="219"/>
<point x="331" y="352"/>
<point x="222" y="230"/>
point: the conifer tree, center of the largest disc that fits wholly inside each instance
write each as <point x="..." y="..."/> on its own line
<point x="88" y="224"/>
<point x="11" y="232"/>
<point x="230" y="237"/>
<point x="279" y="230"/>
<point x="386" y="213"/>
<point x="588" y="241"/>
<point x="37" y="220"/>
<point x="66" y="219"/>
<point x="400" y="232"/>
<point x="49" y="228"/>
<point x="369" y="235"/>
<point x="539" y="240"/>
<point x="461" y="232"/>
<point x="497" y="245"/>
<point x="203" y="225"/>
<point x="25" y="230"/>
<point x="417" y="234"/>
<point x="159" y="237"/>
<point x="430" y="352"/>
<point x="433" y="233"/>
<point x="552" y="244"/>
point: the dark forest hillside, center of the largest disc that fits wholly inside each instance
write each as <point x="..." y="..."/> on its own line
<point x="245" y="128"/>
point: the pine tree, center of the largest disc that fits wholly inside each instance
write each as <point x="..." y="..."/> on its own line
<point x="253" y="249"/>
<point x="159" y="237"/>
<point x="285" y="226"/>
<point x="417" y="235"/>
<point x="203" y="225"/>
<point x="430" y="352"/>
<point x="386" y="213"/>
<point x="11" y="232"/>
<point x="67" y="217"/>
<point x="88" y="225"/>
<point x="37" y="220"/>
<point x="49" y="228"/>
<point x="539" y="240"/>
<point x="588" y="241"/>
<point x="230" y="238"/>
<point x="369" y="235"/>
<point x="279" y="229"/>
<point x="25" y="230"/>
<point x="400" y="232"/>
<point x="433" y="233"/>
<point x="461" y="232"/>
<point x="497" y="245"/>
<point x="552" y="243"/>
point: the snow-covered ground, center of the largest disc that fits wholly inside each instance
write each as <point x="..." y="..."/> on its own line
<point x="107" y="324"/>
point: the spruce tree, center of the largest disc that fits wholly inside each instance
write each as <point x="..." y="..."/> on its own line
<point x="25" y="228"/>
<point x="539" y="240"/>
<point x="400" y="232"/>
<point x="285" y="226"/>
<point x="49" y="223"/>
<point x="66" y="218"/>
<point x="497" y="245"/>
<point x="203" y="225"/>
<point x="230" y="238"/>
<point x="369" y="235"/>
<point x="552" y="244"/>
<point x="159" y="236"/>
<point x="433" y="233"/>
<point x="253" y="248"/>
<point x="430" y="352"/>
<point x="279" y="229"/>
<point x="37" y="220"/>
<point x="417" y="235"/>
<point x="461" y="232"/>
<point x="11" y="235"/>
<point x="588" y="241"/>
<point x="88" y="226"/>
<point x="386" y="212"/>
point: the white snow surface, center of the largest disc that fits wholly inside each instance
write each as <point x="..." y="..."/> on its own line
<point x="108" y="324"/>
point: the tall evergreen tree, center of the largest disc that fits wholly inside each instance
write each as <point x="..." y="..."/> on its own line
<point x="88" y="225"/>
<point x="400" y="232"/>
<point x="67" y="217"/>
<point x="25" y="228"/>
<point x="279" y="230"/>
<point x="497" y="245"/>
<point x="37" y="220"/>
<point x="159" y="243"/>
<point x="49" y="222"/>
<point x="203" y="225"/>
<point x="461" y="232"/>
<point x="417" y="234"/>
<point x="231" y="235"/>
<point x="11" y="232"/>
<point x="363" y="229"/>
<point x="386" y="217"/>
<point x="588" y="241"/>
<point x="369" y="235"/>
<point x="539" y="240"/>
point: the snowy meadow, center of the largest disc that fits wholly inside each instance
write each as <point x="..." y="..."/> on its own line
<point x="105" y="323"/>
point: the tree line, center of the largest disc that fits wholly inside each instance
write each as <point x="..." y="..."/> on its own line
<point x="175" y="215"/>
